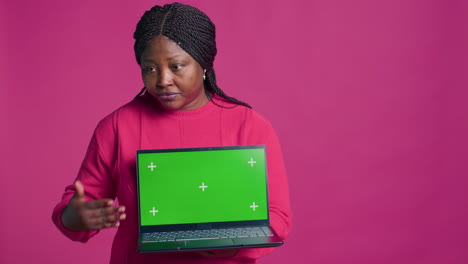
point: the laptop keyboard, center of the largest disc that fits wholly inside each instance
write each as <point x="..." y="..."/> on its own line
<point x="207" y="234"/>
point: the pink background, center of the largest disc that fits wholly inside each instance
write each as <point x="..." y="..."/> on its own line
<point x="369" y="99"/>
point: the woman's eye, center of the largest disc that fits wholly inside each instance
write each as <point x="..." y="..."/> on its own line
<point x="149" y="69"/>
<point x="177" y="67"/>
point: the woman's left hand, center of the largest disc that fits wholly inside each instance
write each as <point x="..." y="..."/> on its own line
<point x="225" y="253"/>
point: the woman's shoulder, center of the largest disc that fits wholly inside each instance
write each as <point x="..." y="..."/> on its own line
<point x="233" y="111"/>
<point x="127" y="113"/>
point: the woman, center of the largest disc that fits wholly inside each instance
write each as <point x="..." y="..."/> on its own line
<point x="181" y="106"/>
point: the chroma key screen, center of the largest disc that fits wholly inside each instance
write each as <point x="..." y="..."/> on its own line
<point x="215" y="185"/>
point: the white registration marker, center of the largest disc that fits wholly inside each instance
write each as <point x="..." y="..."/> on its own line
<point x="251" y="162"/>
<point x="203" y="186"/>
<point x="154" y="211"/>
<point x="152" y="166"/>
<point x="254" y="206"/>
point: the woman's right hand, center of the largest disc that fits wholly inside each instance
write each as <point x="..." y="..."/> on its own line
<point x="82" y="215"/>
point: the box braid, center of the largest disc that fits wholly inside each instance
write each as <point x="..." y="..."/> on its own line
<point x="192" y="30"/>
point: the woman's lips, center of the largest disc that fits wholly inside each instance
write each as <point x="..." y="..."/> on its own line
<point x="167" y="96"/>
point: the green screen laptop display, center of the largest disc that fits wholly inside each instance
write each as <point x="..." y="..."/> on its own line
<point x="202" y="186"/>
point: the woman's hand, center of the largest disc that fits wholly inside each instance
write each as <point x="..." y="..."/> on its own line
<point x="224" y="253"/>
<point x="82" y="215"/>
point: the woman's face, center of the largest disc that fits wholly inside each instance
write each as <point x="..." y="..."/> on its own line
<point x="172" y="76"/>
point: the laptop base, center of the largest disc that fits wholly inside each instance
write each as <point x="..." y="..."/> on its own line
<point x="215" y="244"/>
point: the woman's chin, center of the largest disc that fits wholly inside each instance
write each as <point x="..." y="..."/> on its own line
<point x="170" y="106"/>
<point x="179" y="104"/>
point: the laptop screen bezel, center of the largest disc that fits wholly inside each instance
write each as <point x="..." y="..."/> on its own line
<point x="207" y="225"/>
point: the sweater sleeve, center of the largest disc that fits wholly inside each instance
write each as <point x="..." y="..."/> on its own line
<point x="261" y="132"/>
<point x="96" y="175"/>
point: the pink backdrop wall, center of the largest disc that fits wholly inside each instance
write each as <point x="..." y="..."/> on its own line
<point x="369" y="99"/>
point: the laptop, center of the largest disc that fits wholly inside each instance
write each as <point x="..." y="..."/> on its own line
<point x="203" y="199"/>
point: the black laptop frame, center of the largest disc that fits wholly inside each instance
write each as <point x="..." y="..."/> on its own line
<point x="207" y="225"/>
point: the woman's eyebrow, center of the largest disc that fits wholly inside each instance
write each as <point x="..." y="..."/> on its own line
<point x="168" y="59"/>
<point x="147" y="60"/>
<point x="173" y="57"/>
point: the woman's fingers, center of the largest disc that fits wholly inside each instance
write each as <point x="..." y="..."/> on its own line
<point x="98" y="204"/>
<point x="101" y="215"/>
<point x="89" y="215"/>
<point x="103" y="211"/>
<point x="79" y="190"/>
<point x="95" y="214"/>
<point x="110" y="214"/>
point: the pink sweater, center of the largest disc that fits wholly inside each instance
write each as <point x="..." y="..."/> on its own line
<point x="108" y="169"/>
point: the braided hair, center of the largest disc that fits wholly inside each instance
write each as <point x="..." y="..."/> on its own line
<point x="192" y="30"/>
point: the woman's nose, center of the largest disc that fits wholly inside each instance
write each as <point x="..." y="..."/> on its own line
<point x="165" y="78"/>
